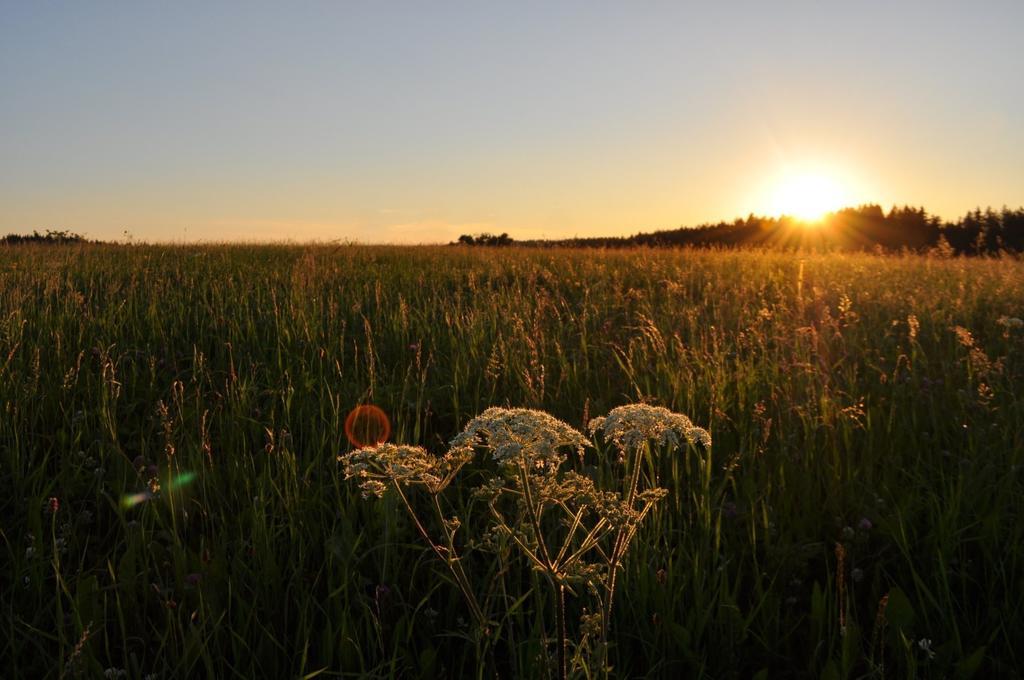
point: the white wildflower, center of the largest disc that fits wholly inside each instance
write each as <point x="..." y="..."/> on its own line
<point x="373" y="488"/>
<point x="925" y="645"/>
<point x="630" y="426"/>
<point x="520" y="435"/>
<point x="380" y="466"/>
<point x="1010" y="322"/>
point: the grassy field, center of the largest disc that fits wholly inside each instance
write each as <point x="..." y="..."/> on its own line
<point x="860" y="516"/>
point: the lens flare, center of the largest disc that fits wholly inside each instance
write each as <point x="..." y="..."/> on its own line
<point x="183" y="479"/>
<point x="367" y="425"/>
<point x="176" y="482"/>
<point x="133" y="499"/>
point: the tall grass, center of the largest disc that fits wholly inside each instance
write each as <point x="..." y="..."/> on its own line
<point x="861" y="513"/>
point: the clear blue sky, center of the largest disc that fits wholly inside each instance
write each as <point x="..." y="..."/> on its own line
<point x="420" y="121"/>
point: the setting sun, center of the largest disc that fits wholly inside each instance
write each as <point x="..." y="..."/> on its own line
<point x="808" y="196"/>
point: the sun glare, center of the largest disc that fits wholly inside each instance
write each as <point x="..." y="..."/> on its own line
<point x="808" y="196"/>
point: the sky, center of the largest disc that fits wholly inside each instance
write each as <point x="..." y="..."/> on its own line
<point x="417" y="122"/>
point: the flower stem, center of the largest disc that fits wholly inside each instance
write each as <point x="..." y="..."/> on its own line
<point x="560" y="624"/>
<point x="449" y="557"/>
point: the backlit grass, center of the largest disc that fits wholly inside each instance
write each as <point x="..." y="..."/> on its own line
<point x="861" y="511"/>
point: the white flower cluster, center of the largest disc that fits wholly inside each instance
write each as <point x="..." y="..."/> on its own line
<point x="630" y="426"/>
<point x="520" y="435"/>
<point x="567" y="527"/>
<point x="1010" y="322"/>
<point x="378" y="466"/>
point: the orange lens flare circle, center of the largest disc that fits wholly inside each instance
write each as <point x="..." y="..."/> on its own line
<point x="367" y="425"/>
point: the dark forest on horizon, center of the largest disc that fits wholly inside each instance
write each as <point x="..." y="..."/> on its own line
<point x="867" y="227"/>
<point x="864" y="228"/>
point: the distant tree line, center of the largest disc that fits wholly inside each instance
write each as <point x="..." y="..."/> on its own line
<point x="867" y="227"/>
<point x="51" y="237"/>
<point x="484" y="239"/>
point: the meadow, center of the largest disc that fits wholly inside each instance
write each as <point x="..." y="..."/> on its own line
<point x="172" y="505"/>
